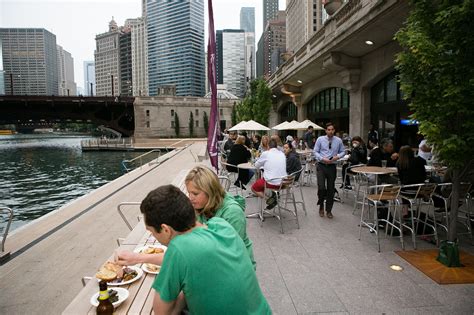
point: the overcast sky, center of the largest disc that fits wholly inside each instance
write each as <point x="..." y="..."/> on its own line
<point x="76" y="22"/>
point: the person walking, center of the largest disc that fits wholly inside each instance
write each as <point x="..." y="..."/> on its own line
<point x="327" y="150"/>
<point x="308" y="138"/>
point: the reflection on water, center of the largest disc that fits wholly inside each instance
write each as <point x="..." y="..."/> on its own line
<point x="40" y="173"/>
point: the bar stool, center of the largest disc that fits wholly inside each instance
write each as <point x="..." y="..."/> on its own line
<point x="383" y="193"/>
<point x="419" y="195"/>
<point x="285" y="189"/>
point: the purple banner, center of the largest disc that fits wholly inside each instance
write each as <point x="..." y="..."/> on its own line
<point x="211" y="74"/>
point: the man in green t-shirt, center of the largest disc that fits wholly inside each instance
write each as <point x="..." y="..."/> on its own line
<point x="206" y="268"/>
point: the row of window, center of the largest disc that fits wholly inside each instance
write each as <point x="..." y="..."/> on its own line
<point x="329" y="100"/>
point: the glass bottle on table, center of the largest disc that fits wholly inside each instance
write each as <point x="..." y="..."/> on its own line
<point x="105" y="307"/>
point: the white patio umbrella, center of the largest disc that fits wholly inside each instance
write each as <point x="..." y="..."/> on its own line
<point x="253" y="125"/>
<point x="306" y="123"/>
<point x="293" y="125"/>
<point x="238" y="126"/>
<point x="281" y="126"/>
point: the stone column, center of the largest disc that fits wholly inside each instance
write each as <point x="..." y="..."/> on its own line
<point x="301" y="111"/>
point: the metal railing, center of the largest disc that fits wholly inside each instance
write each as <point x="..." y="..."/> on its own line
<point x="7" y="228"/>
<point x="127" y="163"/>
<point x="120" y="211"/>
<point x="99" y="143"/>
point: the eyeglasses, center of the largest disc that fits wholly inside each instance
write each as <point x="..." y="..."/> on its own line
<point x="330" y="145"/>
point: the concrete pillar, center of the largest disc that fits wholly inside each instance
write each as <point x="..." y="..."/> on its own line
<point x="301" y="112"/>
<point x="359" y="113"/>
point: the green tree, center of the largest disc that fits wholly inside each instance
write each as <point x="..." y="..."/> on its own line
<point x="191" y="124"/>
<point x="176" y="124"/>
<point x="205" y="121"/>
<point x="256" y="105"/>
<point x="233" y="115"/>
<point x="437" y="77"/>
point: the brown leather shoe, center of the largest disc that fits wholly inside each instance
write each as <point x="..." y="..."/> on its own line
<point x="321" y="212"/>
<point x="329" y="215"/>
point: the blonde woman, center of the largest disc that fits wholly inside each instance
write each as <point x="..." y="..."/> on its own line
<point x="264" y="144"/>
<point x="210" y="200"/>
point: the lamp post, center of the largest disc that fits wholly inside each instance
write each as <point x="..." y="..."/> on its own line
<point x="112" y="81"/>
<point x="11" y="83"/>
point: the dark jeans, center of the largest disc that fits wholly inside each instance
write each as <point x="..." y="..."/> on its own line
<point x="326" y="174"/>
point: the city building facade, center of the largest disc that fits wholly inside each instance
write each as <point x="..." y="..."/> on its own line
<point x="270" y="11"/>
<point x="125" y="44"/>
<point x="89" y="78"/>
<point x="247" y="19"/>
<point x="139" y="56"/>
<point x="345" y="73"/>
<point x="67" y="86"/>
<point x="155" y="116"/>
<point x="250" y="58"/>
<point x="107" y="61"/>
<point x="231" y="60"/>
<point x="274" y="43"/>
<point x="303" y="19"/>
<point x="175" y="35"/>
<point x="30" y="61"/>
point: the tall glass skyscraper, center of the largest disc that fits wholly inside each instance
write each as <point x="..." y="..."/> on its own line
<point x="175" y="31"/>
<point x="247" y="19"/>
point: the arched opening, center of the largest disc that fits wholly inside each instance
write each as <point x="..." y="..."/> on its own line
<point x="331" y="104"/>
<point x="289" y="112"/>
<point x="390" y="113"/>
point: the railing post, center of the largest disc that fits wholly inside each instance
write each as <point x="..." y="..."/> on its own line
<point x="4" y="255"/>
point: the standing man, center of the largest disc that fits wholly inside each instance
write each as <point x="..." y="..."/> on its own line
<point x="308" y="138"/>
<point x="328" y="150"/>
<point x="373" y="136"/>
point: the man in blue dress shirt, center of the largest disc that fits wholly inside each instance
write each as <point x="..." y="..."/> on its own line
<point x="327" y="150"/>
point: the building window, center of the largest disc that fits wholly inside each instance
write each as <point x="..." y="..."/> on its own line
<point x="172" y="113"/>
<point x="172" y="124"/>
<point x="197" y="112"/>
<point x="148" y="124"/>
<point x="147" y="113"/>
<point x="221" y="112"/>
<point x="197" y="123"/>
<point x="328" y="100"/>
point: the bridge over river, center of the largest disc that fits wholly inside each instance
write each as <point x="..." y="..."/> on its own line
<point x="37" y="110"/>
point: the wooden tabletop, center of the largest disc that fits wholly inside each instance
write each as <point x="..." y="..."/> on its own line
<point x="376" y="170"/>
<point x="140" y="300"/>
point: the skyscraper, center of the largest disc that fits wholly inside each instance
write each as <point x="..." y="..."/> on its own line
<point x="231" y="60"/>
<point x="30" y="61"/>
<point x="67" y="86"/>
<point x="89" y="78"/>
<point x="303" y="19"/>
<point x="175" y="32"/>
<point x="125" y="66"/>
<point x="270" y="11"/>
<point x="139" y="57"/>
<point x="247" y="19"/>
<point x="107" y="61"/>
<point x="274" y="43"/>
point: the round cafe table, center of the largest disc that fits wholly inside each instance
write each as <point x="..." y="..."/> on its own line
<point x="375" y="170"/>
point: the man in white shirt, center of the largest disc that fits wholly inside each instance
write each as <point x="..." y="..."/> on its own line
<point x="424" y="150"/>
<point x="273" y="163"/>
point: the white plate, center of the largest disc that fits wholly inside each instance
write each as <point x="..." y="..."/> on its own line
<point x="121" y="292"/>
<point x="145" y="268"/>
<point x="141" y="249"/>
<point x="139" y="275"/>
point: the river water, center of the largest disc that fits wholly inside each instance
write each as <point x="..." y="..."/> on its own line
<point x="40" y="173"/>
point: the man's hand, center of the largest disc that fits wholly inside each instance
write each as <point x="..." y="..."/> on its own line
<point x="394" y="156"/>
<point x="128" y="258"/>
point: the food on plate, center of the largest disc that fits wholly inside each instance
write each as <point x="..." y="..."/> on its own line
<point x="113" y="296"/>
<point x="153" y="250"/>
<point x="128" y="274"/>
<point x="152" y="267"/>
<point x="110" y="271"/>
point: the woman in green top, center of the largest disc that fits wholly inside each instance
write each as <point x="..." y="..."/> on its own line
<point x="209" y="200"/>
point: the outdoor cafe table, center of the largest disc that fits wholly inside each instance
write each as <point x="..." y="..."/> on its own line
<point x="140" y="300"/>
<point x="375" y="170"/>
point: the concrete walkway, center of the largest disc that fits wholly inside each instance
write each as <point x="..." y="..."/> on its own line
<point x="324" y="268"/>
<point x="319" y="268"/>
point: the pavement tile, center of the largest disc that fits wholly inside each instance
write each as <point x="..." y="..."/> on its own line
<point x="459" y="296"/>
<point x="368" y="300"/>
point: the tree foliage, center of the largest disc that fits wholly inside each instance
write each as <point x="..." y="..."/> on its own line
<point x="437" y="76"/>
<point x="191" y="124"/>
<point x="205" y="121"/>
<point x="256" y="105"/>
<point x="176" y="124"/>
<point x="233" y="116"/>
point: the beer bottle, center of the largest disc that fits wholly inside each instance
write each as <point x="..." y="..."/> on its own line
<point x="105" y="307"/>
